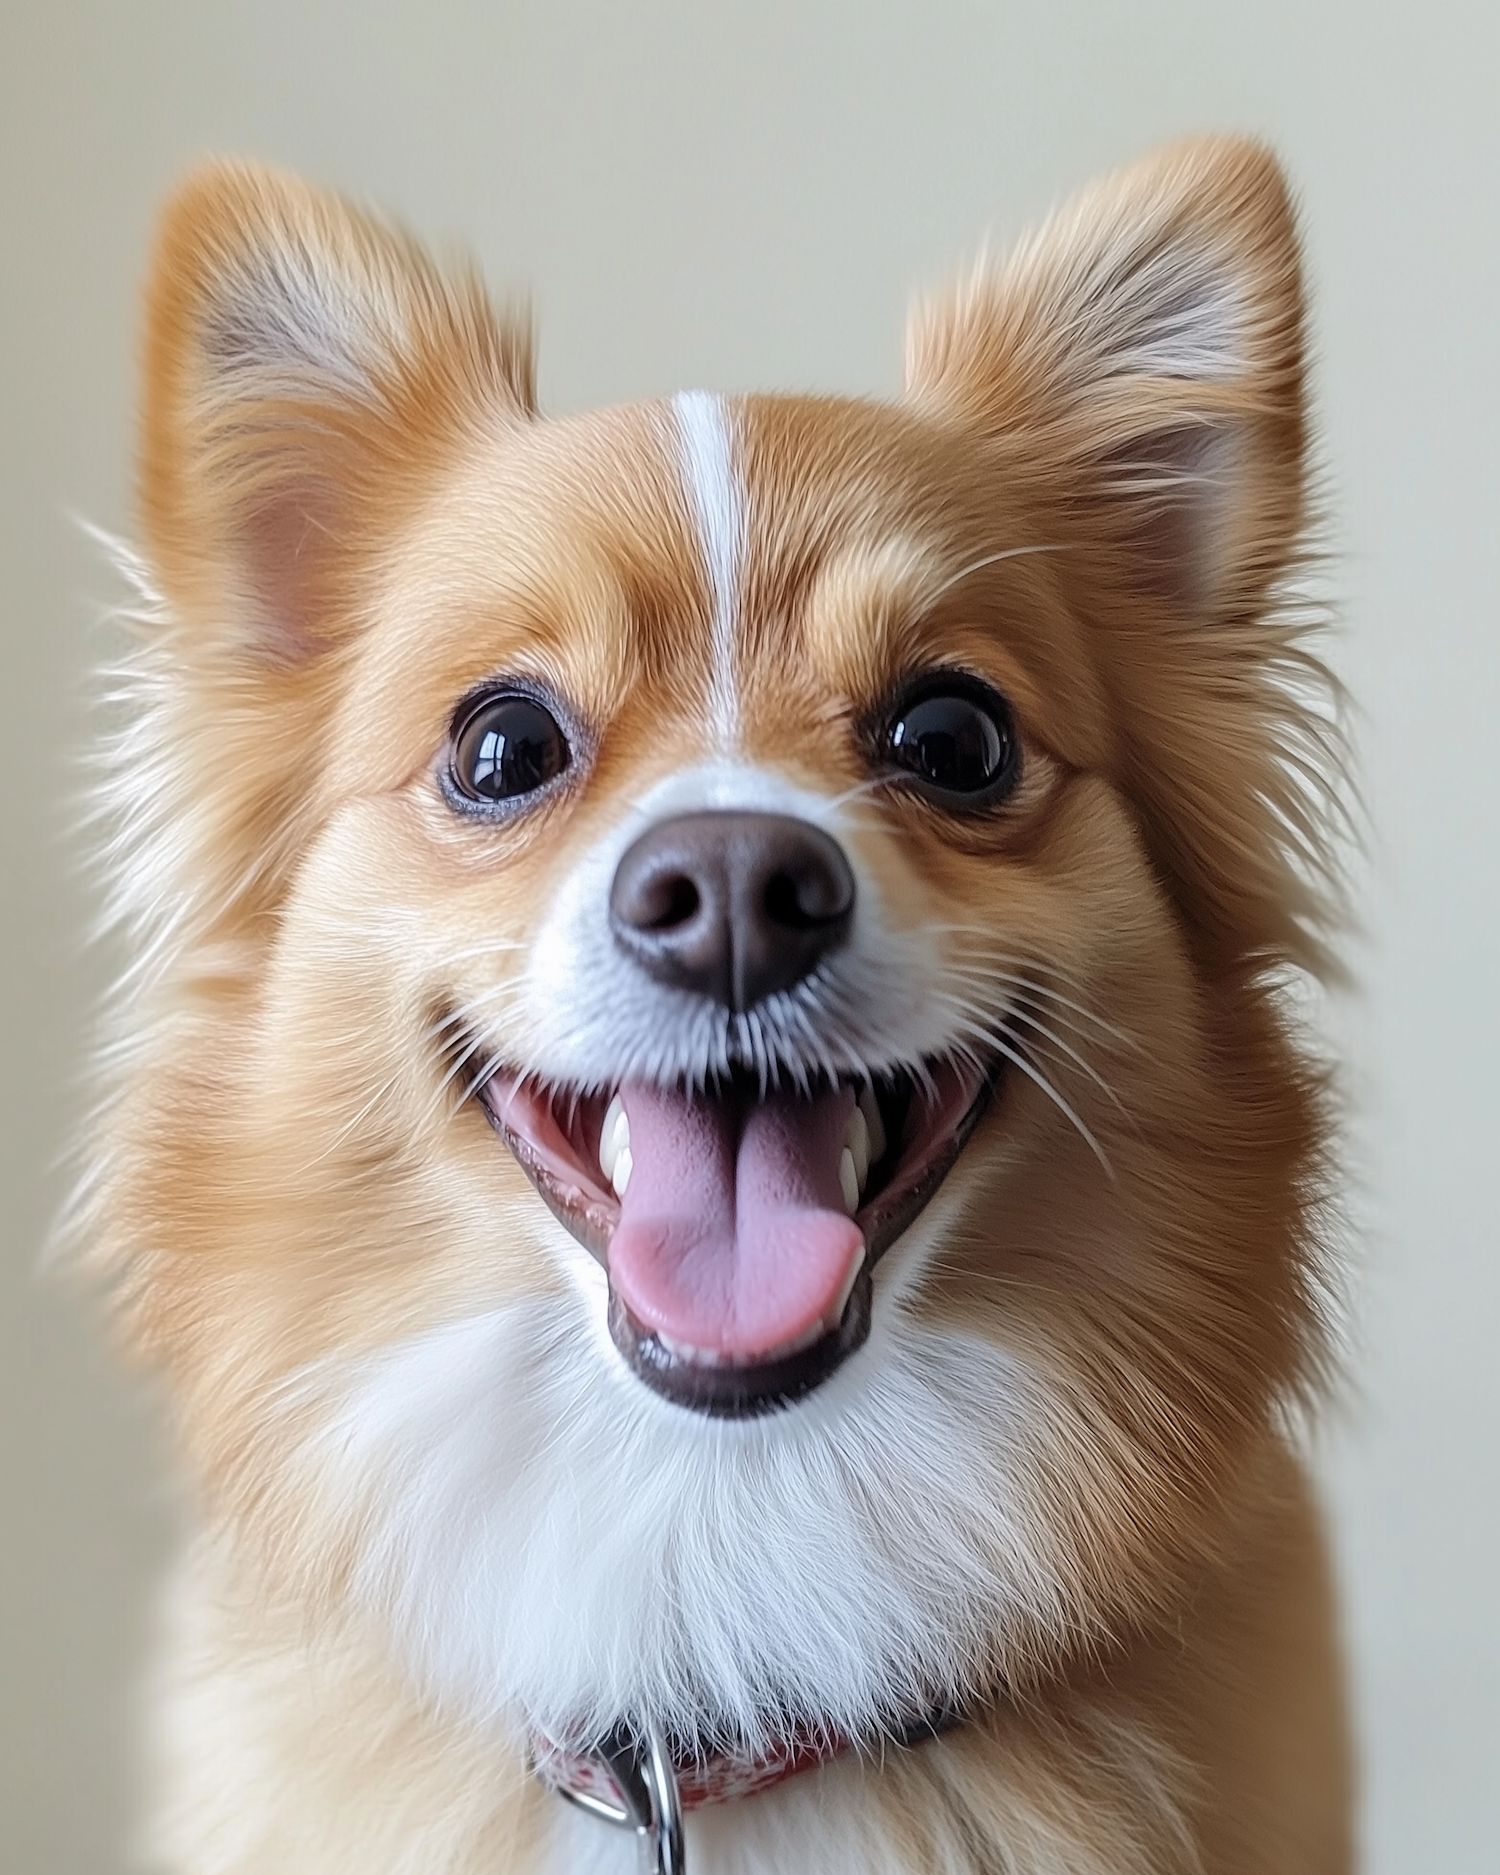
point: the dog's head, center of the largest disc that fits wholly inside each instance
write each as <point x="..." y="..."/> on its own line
<point x="709" y="1123"/>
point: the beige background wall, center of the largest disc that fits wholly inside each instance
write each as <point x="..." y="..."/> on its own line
<point x="744" y="196"/>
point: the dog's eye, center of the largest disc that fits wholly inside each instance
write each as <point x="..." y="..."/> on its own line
<point x="955" y="737"/>
<point x="507" y="745"/>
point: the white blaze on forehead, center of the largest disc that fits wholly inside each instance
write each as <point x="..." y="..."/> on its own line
<point x="716" y="494"/>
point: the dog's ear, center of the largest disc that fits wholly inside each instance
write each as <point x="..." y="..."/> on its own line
<point x="1137" y="366"/>
<point x="305" y="368"/>
<point x="1145" y="347"/>
<point x="309" y="374"/>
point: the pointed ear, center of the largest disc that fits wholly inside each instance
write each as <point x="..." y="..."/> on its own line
<point x="1146" y="347"/>
<point x="306" y="367"/>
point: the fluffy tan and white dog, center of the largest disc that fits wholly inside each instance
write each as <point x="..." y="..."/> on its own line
<point x="709" y="1132"/>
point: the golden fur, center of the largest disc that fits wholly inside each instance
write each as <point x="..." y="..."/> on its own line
<point x="1092" y="494"/>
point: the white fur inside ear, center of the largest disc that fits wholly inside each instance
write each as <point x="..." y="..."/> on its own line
<point x="290" y="334"/>
<point x="281" y="322"/>
<point x="1183" y="316"/>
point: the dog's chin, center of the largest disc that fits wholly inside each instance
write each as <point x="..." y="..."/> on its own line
<point x="920" y="1122"/>
<point x="548" y="1540"/>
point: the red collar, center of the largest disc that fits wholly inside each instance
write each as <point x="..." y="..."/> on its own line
<point x="718" y="1777"/>
<point x="593" y="1777"/>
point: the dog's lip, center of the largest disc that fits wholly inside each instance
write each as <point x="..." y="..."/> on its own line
<point x="731" y="1390"/>
<point x="553" y="1132"/>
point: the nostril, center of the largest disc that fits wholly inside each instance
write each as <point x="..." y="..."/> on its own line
<point x="662" y="899"/>
<point x="787" y="904"/>
<point x="675" y="902"/>
<point x="809" y="889"/>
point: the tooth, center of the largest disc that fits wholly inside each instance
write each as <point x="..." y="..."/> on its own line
<point x="620" y="1177"/>
<point x="848" y="1181"/>
<point x="870" y="1108"/>
<point x="857" y="1139"/>
<point x="614" y="1136"/>
<point x="686" y="1351"/>
<point x="836" y="1314"/>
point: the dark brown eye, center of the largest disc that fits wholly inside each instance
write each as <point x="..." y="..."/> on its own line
<point x="508" y="745"/>
<point x="955" y="737"/>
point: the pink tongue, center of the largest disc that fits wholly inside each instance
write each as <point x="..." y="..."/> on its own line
<point x="733" y="1239"/>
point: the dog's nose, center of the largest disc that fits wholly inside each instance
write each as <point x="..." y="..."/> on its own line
<point x="732" y="905"/>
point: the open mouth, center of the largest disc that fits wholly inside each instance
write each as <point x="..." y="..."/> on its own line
<point x="739" y="1226"/>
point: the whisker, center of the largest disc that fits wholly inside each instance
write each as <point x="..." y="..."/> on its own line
<point x="1034" y="1074"/>
<point x="868" y="786"/>
<point x="481" y="1081"/>
<point x="459" y="1017"/>
<point x="492" y="947"/>
<point x="476" y="1046"/>
<point x="988" y="947"/>
<point x="1030" y="988"/>
<point x="1053" y="1046"/>
<point x="480" y="1040"/>
<point x="1063" y="1048"/>
<point x="990" y="956"/>
<point x="988" y="559"/>
<point x="1001" y="1020"/>
<point x="350" y="1125"/>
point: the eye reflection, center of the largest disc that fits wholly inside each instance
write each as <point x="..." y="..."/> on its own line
<point x="509" y="745"/>
<point x="956" y="739"/>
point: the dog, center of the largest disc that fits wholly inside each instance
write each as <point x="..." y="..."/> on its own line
<point x="709" y="1128"/>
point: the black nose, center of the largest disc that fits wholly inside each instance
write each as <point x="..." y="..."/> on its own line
<point x="732" y="905"/>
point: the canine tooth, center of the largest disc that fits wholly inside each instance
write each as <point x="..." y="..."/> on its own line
<point x="870" y="1108"/>
<point x="857" y="1139"/>
<point x="849" y="1181"/>
<point x="614" y="1136"/>
<point x="620" y="1177"/>
<point x="836" y="1314"/>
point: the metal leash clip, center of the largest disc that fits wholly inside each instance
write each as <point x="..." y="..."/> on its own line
<point x="643" y="1775"/>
